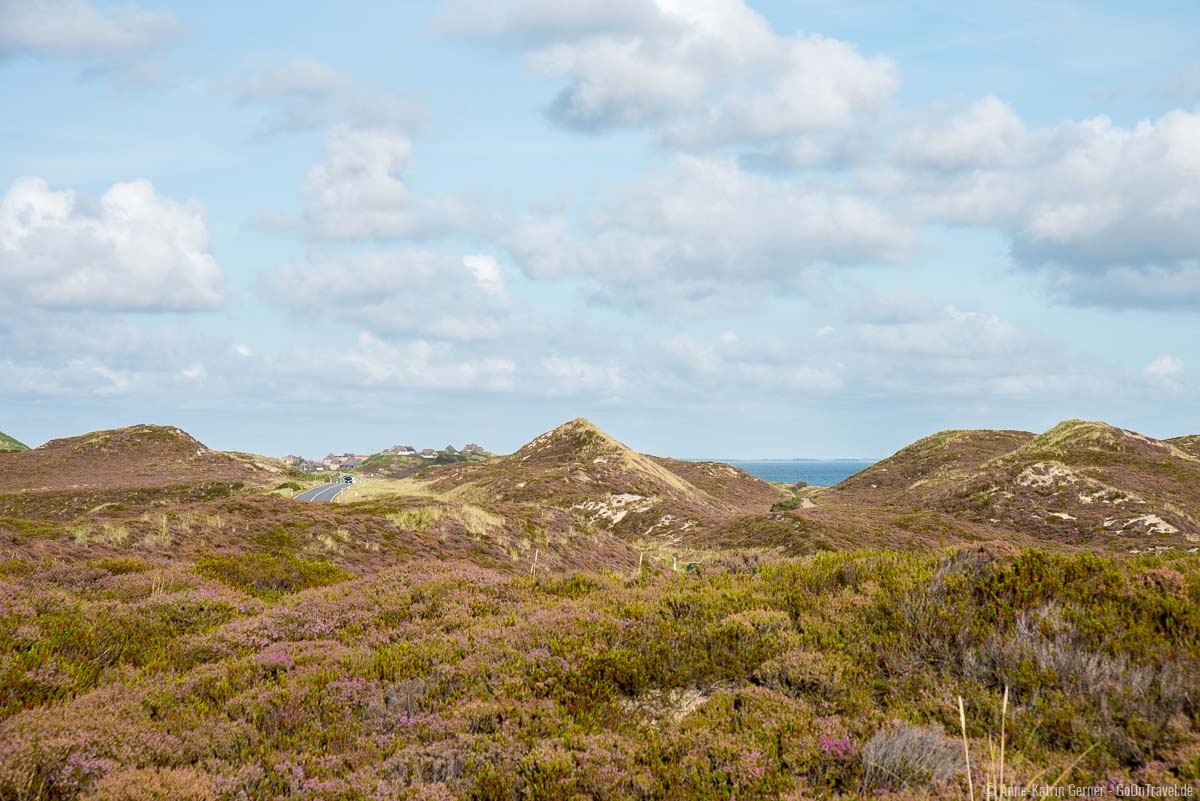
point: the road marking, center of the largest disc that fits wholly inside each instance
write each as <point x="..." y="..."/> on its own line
<point x="314" y="494"/>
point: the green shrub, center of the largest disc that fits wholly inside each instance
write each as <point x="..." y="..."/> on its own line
<point x="270" y="576"/>
<point x="787" y="504"/>
<point x="119" y="566"/>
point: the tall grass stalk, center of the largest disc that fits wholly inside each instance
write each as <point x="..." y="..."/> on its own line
<point x="962" y="719"/>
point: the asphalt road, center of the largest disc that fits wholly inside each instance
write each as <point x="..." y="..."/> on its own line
<point x="325" y="492"/>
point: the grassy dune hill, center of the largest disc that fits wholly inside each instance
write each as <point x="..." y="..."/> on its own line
<point x="729" y="484"/>
<point x="1080" y="482"/>
<point x="136" y="457"/>
<point x="1189" y="444"/>
<point x="391" y="465"/>
<point x="1087" y="480"/>
<point x="10" y="445"/>
<point x="159" y="491"/>
<point x="929" y="464"/>
<point x="890" y="504"/>
<point x="605" y="484"/>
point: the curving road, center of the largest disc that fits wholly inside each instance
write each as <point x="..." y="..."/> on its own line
<point x="325" y="492"/>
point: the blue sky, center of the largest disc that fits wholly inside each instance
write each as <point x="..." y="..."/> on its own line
<point x="713" y="227"/>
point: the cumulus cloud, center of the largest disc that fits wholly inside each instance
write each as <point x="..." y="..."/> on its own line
<point x="303" y="94"/>
<point x="949" y="334"/>
<point x="574" y="375"/>
<point x="940" y="354"/>
<point x="131" y="250"/>
<point x="1111" y="213"/>
<point x="897" y="305"/>
<point x="195" y="372"/>
<point x="687" y="363"/>
<point x="80" y="29"/>
<point x="1165" y="371"/>
<point x="406" y="291"/>
<point x="952" y="352"/>
<point x="45" y="353"/>
<point x="533" y="22"/>
<point x="83" y="378"/>
<point x="360" y="192"/>
<point x="489" y="276"/>
<point x="708" y="234"/>
<point x="988" y="134"/>
<point x="375" y="363"/>
<point x="701" y="74"/>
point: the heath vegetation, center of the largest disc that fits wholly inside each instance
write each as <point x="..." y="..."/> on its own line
<point x="521" y="628"/>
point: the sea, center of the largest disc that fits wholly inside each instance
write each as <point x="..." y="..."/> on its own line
<point x="817" y="472"/>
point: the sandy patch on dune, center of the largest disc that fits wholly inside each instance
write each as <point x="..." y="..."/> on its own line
<point x="1147" y="523"/>
<point x="614" y="507"/>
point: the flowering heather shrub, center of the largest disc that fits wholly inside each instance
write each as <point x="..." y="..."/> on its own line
<point x="836" y="747"/>
<point x="440" y="679"/>
<point x="56" y="644"/>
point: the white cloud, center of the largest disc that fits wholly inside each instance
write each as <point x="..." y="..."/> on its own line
<point x="988" y="134"/>
<point x="404" y="291"/>
<point x="529" y="22"/>
<point x="377" y="363"/>
<point x="573" y="375"/>
<point x="304" y="93"/>
<point x="701" y="73"/>
<point x="360" y="192"/>
<point x="951" y="353"/>
<point x="243" y="351"/>
<point x="80" y="29"/>
<point x="950" y="334"/>
<point x="708" y="234"/>
<point x="893" y="305"/>
<point x="488" y="274"/>
<point x="194" y="373"/>
<point x="131" y="250"/>
<point x="83" y="377"/>
<point x="686" y="363"/>
<point x="1112" y="213"/>
<point x="1165" y="371"/>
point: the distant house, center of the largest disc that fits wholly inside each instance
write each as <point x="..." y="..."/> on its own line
<point x="345" y="461"/>
<point x="293" y="461"/>
<point x="450" y="449"/>
<point x="428" y="453"/>
<point x="401" y="450"/>
<point x="471" y="447"/>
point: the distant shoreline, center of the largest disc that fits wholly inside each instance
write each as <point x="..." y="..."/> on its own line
<point x="814" y="472"/>
<point x="797" y="459"/>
